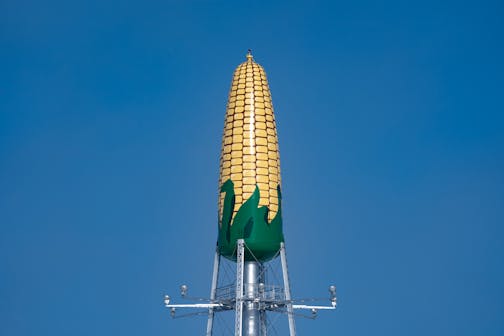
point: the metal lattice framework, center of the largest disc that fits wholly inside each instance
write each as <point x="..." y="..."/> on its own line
<point x="253" y="291"/>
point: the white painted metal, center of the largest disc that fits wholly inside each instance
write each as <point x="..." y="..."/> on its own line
<point x="261" y="296"/>
<point x="264" y="327"/>
<point x="313" y="307"/>
<point x="251" y="313"/>
<point x="240" y="257"/>
<point x="195" y="305"/>
<point x="250" y="296"/>
<point x="213" y="291"/>
<point x="288" y="299"/>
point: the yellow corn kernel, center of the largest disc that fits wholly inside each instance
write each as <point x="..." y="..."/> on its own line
<point x="249" y="144"/>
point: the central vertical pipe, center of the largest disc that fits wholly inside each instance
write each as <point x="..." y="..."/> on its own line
<point x="252" y="276"/>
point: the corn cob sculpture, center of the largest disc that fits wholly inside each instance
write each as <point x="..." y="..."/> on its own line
<point x="250" y="216"/>
<point x="249" y="184"/>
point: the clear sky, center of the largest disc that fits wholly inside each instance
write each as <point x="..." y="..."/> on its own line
<point x="391" y="126"/>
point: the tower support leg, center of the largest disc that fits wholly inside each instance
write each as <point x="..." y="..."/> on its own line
<point x="240" y="257"/>
<point x="264" y="328"/>
<point x="285" y="273"/>
<point x="213" y="291"/>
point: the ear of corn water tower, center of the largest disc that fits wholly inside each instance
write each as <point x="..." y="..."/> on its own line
<point x="250" y="228"/>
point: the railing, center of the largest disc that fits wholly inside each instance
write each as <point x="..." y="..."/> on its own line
<point x="262" y="292"/>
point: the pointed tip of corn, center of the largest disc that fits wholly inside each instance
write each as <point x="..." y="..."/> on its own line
<point x="249" y="55"/>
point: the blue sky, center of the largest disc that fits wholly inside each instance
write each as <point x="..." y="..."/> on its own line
<point x="391" y="126"/>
